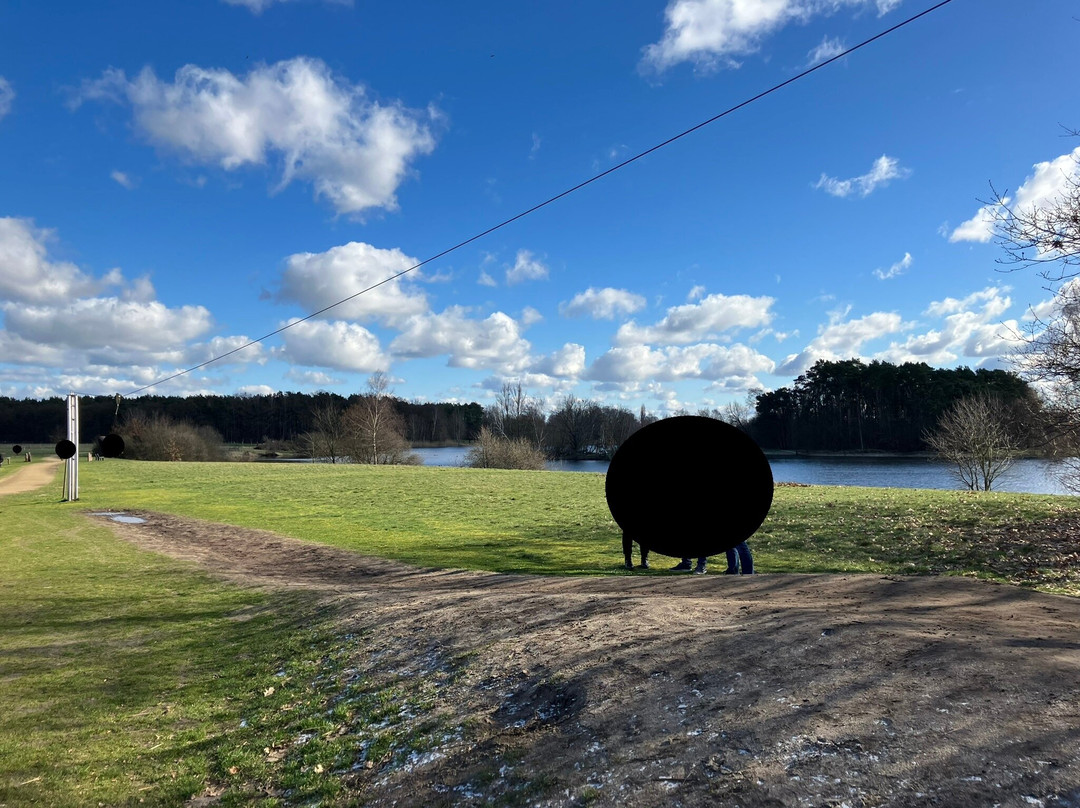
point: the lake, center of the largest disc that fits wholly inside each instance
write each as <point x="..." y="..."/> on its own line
<point x="1027" y="475"/>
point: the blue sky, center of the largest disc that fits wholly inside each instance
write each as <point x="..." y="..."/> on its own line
<point x="179" y="178"/>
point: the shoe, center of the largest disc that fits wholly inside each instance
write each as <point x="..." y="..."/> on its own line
<point x="732" y="571"/>
<point x="682" y="566"/>
<point x="699" y="570"/>
<point x="629" y="565"/>
<point x="644" y="565"/>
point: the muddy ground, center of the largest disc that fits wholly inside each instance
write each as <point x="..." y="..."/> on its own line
<point x="657" y="690"/>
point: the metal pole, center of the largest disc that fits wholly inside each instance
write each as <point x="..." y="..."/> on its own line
<point x="71" y="476"/>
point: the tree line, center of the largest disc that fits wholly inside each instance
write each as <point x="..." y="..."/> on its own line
<point x="242" y="419"/>
<point x="852" y="406"/>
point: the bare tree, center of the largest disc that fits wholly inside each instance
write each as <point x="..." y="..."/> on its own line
<point x="327" y="438"/>
<point x="1045" y="235"/>
<point x="515" y="414"/>
<point x="375" y="429"/>
<point x="974" y="437"/>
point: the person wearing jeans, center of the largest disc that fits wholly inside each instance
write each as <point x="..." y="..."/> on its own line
<point x="741" y="553"/>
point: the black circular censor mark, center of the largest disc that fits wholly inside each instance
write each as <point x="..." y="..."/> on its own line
<point x="65" y="449"/>
<point x="689" y="486"/>
<point x="112" y="445"/>
<point x="16" y="449"/>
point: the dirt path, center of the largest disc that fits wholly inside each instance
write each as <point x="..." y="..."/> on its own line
<point x="656" y="690"/>
<point x="31" y="477"/>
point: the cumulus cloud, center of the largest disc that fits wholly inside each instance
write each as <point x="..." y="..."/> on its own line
<point x="7" y="96"/>
<point x="843" y="339"/>
<point x="493" y="343"/>
<point x="1046" y="185"/>
<point x="884" y="170"/>
<point x="336" y="345"/>
<point x="354" y="150"/>
<point x="971" y="328"/>
<point x="526" y="268"/>
<point x="568" y="362"/>
<point x="899" y="268"/>
<point x="602" y="304"/>
<point x="695" y="322"/>
<point x="318" y="280"/>
<point x="26" y="273"/>
<point x="108" y="322"/>
<point x="713" y="33"/>
<point x="639" y="363"/>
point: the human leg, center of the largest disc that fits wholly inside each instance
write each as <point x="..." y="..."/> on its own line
<point x="746" y="560"/>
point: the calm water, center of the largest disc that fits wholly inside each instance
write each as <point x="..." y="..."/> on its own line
<point x="1027" y="475"/>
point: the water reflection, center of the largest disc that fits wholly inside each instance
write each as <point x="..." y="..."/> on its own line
<point x="1027" y="475"/>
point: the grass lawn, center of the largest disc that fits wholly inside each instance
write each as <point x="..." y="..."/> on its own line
<point x="558" y="523"/>
<point x="129" y="678"/>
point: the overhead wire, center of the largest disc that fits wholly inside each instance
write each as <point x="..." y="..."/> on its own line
<point x="776" y="87"/>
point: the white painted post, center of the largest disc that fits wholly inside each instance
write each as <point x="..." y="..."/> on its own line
<point x="71" y="476"/>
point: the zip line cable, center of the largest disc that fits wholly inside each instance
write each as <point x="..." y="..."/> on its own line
<point x="555" y="198"/>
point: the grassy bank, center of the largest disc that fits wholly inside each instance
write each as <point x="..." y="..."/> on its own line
<point x="130" y="679"/>
<point x="554" y="523"/>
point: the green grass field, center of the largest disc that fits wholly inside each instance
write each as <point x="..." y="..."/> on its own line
<point x="558" y="523"/>
<point x="127" y="678"/>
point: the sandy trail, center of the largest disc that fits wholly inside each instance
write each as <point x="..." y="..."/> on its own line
<point x="648" y="690"/>
<point x="31" y="477"/>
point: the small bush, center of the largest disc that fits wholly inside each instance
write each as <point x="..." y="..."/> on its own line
<point x="158" y="437"/>
<point x="494" y="452"/>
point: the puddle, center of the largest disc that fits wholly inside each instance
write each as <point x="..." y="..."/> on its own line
<point x="120" y="517"/>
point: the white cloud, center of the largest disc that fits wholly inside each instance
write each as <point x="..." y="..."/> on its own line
<point x="107" y="322"/>
<point x="694" y="322"/>
<point x="899" y="268"/>
<point x="526" y="268"/>
<point x="566" y="363"/>
<point x="638" y="363"/>
<point x="7" y="96"/>
<point x="313" y="378"/>
<point x="259" y="6"/>
<point x="979" y="227"/>
<point x="883" y="170"/>
<point x="711" y="33"/>
<point x="602" y="304"/>
<point x="317" y="280"/>
<point x="486" y="280"/>
<point x="354" y="150"/>
<point x="26" y="273"/>
<point x="842" y="339"/>
<point x="827" y="49"/>
<point x="336" y="345"/>
<point x="256" y="390"/>
<point x="971" y="328"/>
<point x="1047" y="183"/>
<point x="123" y="179"/>
<point x="494" y="343"/>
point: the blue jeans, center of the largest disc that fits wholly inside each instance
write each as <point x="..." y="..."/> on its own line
<point x="746" y="561"/>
